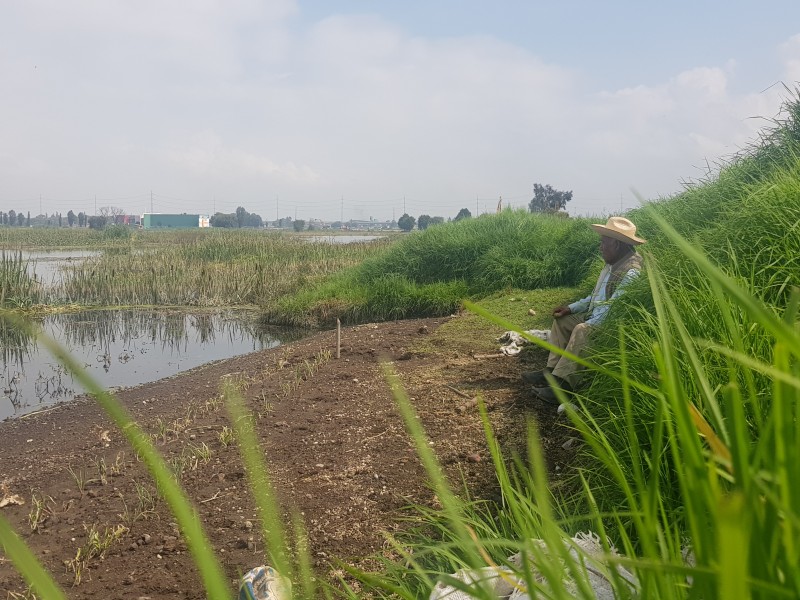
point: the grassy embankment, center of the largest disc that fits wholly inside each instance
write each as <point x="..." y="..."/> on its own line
<point x="690" y="417"/>
<point x="429" y="273"/>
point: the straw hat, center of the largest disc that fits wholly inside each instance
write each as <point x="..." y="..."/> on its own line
<point x="620" y="229"/>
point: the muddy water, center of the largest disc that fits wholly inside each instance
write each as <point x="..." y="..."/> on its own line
<point x="120" y="349"/>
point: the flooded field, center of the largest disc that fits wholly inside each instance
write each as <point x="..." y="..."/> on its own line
<point x="121" y="349"/>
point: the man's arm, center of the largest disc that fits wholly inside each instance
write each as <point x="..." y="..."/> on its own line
<point x="601" y="308"/>
<point x="580" y="306"/>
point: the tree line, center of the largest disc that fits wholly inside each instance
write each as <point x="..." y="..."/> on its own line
<point x="545" y="199"/>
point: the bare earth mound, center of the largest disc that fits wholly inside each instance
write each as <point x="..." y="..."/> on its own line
<point x="338" y="453"/>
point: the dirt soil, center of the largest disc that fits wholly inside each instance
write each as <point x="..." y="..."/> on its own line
<point x="337" y="448"/>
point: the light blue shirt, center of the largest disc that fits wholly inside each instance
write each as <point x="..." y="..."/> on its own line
<point x="596" y="304"/>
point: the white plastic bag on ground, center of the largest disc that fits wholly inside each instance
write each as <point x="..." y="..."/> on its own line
<point x="499" y="580"/>
<point x="584" y="548"/>
<point x="264" y="583"/>
<point x="512" y="340"/>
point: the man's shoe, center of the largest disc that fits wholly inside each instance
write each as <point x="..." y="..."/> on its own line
<point x="536" y="378"/>
<point x="547" y="395"/>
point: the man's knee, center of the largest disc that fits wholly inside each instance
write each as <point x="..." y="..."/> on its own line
<point x="581" y="329"/>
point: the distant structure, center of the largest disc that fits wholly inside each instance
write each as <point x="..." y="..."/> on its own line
<point x="166" y="221"/>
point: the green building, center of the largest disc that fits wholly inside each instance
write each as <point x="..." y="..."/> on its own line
<point x="165" y="221"/>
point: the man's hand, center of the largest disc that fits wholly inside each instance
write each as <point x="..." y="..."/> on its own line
<point x="561" y="311"/>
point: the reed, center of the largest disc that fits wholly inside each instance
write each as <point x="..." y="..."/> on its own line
<point x="212" y="268"/>
<point x="18" y="289"/>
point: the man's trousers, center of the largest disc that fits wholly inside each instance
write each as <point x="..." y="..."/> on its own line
<point x="570" y="333"/>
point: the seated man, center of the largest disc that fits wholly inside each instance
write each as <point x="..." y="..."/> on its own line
<point x="572" y="323"/>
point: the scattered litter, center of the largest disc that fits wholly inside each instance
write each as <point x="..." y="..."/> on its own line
<point x="264" y="583"/>
<point x="500" y="581"/>
<point x="8" y="500"/>
<point x="585" y="552"/>
<point x="562" y="408"/>
<point x="512" y="340"/>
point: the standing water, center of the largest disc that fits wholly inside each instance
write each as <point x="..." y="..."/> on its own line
<point x="120" y="348"/>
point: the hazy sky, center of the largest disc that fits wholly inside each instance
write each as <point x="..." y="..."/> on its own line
<point x="360" y="108"/>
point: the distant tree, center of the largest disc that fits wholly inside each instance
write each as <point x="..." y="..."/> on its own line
<point x="111" y="213"/>
<point x="463" y="214"/>
<point x="298" y="225"/>
<point x="423" y="222"/>
<point x="59" y="219"/>
<point x="227" y="221"/>
<point x="81" y="219"/>
<point x="406" y="222"/>
<point x="97" y="222"/>
<point x="241" y="216"/>
<point x="20" y="219"/>
<point x="547" y="199"/>
<point x="253" y="220"/>
<point x="437" y="220"/>
<point x="12" y="217"/>
<point x="70" y="218"/>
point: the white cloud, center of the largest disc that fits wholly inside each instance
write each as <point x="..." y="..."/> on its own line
<point x="790" y="51"/>
<point x="206" y="154"/>
<point x="243" y="96"/>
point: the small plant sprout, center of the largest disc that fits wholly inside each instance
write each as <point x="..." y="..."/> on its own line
<point x="161" y="430"/>
<point x="226" y="436"/>
<point x="102" y="470"/>
<point x="147" y="497"/>
<point x="96" y="546"/>
<point x="79" y="476"/>
<point x="42" y="507"/>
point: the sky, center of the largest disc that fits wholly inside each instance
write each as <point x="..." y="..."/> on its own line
<point x="368" y="109"/>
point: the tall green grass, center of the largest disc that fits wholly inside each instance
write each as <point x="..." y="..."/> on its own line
<point x="429" y="273"/>
<point x="704" y="507"/>
<point x="746" y="222"/>
<point x="198" y="268"/>
<point x="18" y="289"/>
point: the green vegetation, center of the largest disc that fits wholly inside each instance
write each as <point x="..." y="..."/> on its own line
<point x="185" y="268"/>
<point x="17" y="288"/>
<point x="689" y="417"/>
<point x="429" y="273"/>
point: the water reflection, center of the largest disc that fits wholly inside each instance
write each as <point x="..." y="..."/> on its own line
<point x="121" y="349"/>
<point x="46" y="266"/>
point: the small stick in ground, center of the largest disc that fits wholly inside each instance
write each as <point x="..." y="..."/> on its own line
<point x="459" y="392"/>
